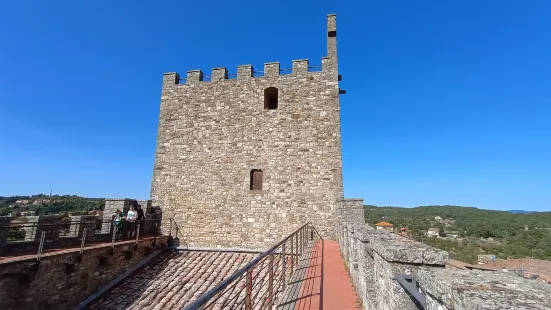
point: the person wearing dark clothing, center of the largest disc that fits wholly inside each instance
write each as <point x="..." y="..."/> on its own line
<point x="141" y="215"/>
<point x="117" y="223"/>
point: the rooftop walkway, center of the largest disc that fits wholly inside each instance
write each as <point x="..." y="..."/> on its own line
<point x="336" y="288"/>
<point x="174" y="280"/>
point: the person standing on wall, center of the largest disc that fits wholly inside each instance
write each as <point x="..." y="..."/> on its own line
<point x="117" y="223"/>
<point x="131" y="217"/>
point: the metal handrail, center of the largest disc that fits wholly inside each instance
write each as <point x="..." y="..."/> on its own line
<point x="410" y="285"/>
<point x="246" y="271"/>
<point x="43" y="237"/>
<point x="37" y="224"/>
<point x="178" y="232"/>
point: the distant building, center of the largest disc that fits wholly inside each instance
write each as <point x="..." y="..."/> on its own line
<point x="384" y="226"/>
<point x="486" y="258"/>
<point x="437" y="218"/>
<point x="433" y="232"/>
<point x="22" y="202"/>
<point x="40" y="201"/>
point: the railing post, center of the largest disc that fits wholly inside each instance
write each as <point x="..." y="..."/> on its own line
<point x="296" y="250"/>
<point x="292" y="256"/>
<point x="41" y="245"/>
<point x="301" y="241"/>
<point x="83" y="240"/>
<point x="249" y="290"/>
<point x="137" y="233"/>
<point x="271" y="283"/>
<point x="283" y="266"/>
<point x="113" y="238"/>
<point x="304" y="239"/>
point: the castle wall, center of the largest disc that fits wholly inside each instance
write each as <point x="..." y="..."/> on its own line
<point x="375" y="258"/>
<point x="64" y="279"/>
<point x="213" y="133"/>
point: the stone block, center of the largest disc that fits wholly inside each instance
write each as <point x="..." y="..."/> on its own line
<point x="474" y="289"/>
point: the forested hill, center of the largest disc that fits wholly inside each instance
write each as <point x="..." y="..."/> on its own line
<point x="480" y="231"/>
<point x="47" y="205"/>
<point x="476" y="222"/>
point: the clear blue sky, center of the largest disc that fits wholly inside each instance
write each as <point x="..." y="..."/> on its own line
<point x="449" y="102"/>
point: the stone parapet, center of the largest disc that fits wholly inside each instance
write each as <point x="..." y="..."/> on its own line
<point x="474" y="289"/>
<point x="58" y="232"/>
<point x="62" y="280"/>
<point x="375" y="258"/>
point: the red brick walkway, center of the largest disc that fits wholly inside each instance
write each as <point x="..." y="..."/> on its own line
<point x="338" y="293"/>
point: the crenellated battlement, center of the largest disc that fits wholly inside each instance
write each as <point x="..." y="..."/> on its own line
<point x="300" y="67"/>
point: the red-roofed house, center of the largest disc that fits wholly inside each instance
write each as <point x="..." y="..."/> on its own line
<point x="384" y="226"/>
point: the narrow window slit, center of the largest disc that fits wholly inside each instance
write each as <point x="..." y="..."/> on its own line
<point x="270" y="98"/>
<point x="256" y="180"/>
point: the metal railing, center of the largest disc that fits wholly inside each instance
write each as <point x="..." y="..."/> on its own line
<point x="22" y="238"/>
<point x="411" y="286"/>
<point x="262" y="283"/>
<point x="177" y="240"/>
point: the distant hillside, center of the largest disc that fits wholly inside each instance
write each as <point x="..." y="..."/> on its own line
<point x="502" y="233"/>
<point x="521" y="211"/>
<point x="47" y="205"/>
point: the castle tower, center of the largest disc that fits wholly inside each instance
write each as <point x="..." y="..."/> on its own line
<point x="244" y="162"/>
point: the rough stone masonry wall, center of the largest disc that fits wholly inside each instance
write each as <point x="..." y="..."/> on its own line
<point x="374" y="256"/>
<point x="61" y="281"/>
<point x="213" y="133"/>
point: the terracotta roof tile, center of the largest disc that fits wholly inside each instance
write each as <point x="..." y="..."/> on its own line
<point x="384" y="224"/>
<point x="173" y="280"/>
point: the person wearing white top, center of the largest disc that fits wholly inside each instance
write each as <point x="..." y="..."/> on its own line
<point x="132" y="215"/>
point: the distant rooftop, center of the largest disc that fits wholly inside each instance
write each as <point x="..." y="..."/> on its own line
<point x="384" y="224"/>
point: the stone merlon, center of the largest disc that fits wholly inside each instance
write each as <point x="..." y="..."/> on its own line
<point x="394" y="248"/>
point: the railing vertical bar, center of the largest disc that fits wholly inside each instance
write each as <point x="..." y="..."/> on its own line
<point x="113" y="238"/>
<point x="299" y="241"/>
<point x="83" y="240"/>
<point x="271" y="282"/>
<point x="296" y="250"/>
<point x="283" y="267"/>
<point x="249" y="290"/>
<point x="41" y="245"/>
<point x="322" y="276"/>
<point x="303" y="242"/>
<point x="138" y="233"/>
<point x="292" y="257"/>
<point x="304" y="237"/>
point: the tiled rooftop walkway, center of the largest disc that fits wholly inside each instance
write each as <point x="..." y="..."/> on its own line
<point x="173" y="280"/>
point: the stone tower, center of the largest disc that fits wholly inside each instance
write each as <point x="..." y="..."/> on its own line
<point x="243" y="162"/>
